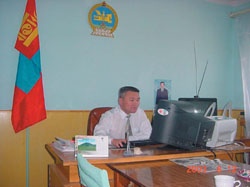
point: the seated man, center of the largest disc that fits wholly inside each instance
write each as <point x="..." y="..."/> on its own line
<point x="113" y="122"/>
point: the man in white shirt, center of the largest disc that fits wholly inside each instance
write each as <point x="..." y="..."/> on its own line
<point x="113" y="122"/>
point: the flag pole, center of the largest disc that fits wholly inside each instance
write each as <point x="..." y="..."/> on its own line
<point x="28" y="100"/>
<point x="27" y="158"/>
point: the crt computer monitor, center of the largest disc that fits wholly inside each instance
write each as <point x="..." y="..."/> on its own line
<point x="175" y="123"/>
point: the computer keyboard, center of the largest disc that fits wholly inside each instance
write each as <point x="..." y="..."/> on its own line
<point x="139" y="143"/>
<point x="124" y="146"/>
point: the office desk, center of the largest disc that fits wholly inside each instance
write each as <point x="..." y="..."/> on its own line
<point x="65" y="172"/>
<point x="169" y="174"/>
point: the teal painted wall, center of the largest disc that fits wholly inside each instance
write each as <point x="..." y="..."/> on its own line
<point x="153" y="40"/>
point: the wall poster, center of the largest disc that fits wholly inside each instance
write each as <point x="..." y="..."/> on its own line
<point x="162" y="90"/>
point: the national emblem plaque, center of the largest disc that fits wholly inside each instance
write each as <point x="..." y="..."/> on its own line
<point x="103" y="20"/>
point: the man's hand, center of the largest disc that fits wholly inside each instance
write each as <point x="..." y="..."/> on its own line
<point x="118" y="142"/>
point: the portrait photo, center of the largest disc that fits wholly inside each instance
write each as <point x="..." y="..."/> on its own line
<point x="162" y="90"/>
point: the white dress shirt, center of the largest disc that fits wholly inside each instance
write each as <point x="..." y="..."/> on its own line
<point x="113" y="123"/>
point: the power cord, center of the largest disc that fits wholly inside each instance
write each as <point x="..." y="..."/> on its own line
<point x="212" y="151"/>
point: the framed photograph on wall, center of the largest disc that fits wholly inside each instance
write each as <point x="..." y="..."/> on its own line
<point x="162" y="90"/>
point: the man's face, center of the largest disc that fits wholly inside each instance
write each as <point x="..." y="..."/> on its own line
<point x="130" y="102"/>
<point x="162" y="85"/>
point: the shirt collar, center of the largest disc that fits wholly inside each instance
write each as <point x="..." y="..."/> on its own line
<point x="123" y="114"/>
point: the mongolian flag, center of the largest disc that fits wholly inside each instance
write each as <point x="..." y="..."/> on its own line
<point x="28" y="102"/>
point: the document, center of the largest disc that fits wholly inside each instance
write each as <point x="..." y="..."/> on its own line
<point x="91" y="146"/>
<point x="64" y="145"/>
<point x="203" y="164"/>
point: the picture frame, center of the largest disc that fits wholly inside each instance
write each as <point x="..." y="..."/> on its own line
<point x="91" y="146"/>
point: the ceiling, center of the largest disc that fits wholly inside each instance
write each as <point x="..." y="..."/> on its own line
<point x="229" y="2"/>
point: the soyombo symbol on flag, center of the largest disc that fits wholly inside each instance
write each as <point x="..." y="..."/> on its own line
<point x="28" y="103"/>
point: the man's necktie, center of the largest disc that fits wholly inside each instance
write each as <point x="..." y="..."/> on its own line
<point x="128" y="128"/>
<point x="127" y="134"/>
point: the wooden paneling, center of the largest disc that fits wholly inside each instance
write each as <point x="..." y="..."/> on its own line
<point x="64" y="124"/>
<point x="13" y="153"/>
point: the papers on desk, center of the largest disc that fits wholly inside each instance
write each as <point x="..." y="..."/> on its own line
<point x="203" y="164"/>
<point x="91" y="146"/>
<point x="63" y="145"/>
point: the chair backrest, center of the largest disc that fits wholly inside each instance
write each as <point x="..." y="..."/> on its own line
<point x="94" y="117"/>
<point x="91" y="176"/>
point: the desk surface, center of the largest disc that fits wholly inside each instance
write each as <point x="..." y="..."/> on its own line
<point x="149" y="153"/>
<point x="66" y="163"/>
<point x="166" y="173"/>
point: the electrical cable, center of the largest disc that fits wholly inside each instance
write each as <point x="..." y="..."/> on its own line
<point x="212" y="151"/>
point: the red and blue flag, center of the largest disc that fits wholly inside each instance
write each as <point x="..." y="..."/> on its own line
<point x="28" y="102"/>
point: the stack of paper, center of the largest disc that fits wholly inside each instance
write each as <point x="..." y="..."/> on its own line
<point x="64" y="145"/>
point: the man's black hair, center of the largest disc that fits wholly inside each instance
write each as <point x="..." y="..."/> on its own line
<point x="125" y="89"/>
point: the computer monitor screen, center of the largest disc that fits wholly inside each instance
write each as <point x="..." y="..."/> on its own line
<point x="176" y="123"/>
<point x="202" y="103"/>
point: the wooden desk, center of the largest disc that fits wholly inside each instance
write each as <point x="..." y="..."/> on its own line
<point x="169" y="174"/>
<point x="65" y="172"/>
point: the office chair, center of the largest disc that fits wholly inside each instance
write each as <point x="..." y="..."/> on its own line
<point x="91" y="176"/>
<point x="94" y="117"/>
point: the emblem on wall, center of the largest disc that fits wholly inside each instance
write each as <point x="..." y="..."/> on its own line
<point x="103" y="20"/>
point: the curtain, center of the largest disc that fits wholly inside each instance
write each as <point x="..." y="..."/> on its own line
<point x="243" y="38"/>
